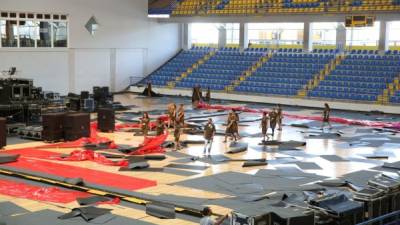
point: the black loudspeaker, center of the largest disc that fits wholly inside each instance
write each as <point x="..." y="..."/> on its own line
<point x="345" y="211"/>
<point x="53" y="126"/>
<point x="76" y="125"/>
<point x="106" y="119"/>
<point x="245" y="218"/>
<point x="293" y="217"/>
<point x="85" y="95"/>
<point x="3" y="132"/>
<point x="75" y="104"/>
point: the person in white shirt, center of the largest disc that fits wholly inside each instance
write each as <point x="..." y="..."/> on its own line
<point x="207" y="220"/>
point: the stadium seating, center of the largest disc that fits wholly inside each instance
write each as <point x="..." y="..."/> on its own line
<point x="176" y="66"/>
<point x="360" y="77"/>
<point x="395" y="98"/>
<point x="285" y="73"/>
<point x="221" y="69"/>
<point x="257" y="7"/>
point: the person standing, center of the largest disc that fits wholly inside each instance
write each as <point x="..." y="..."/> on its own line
<point x="326" y="116"/>
<point x="160" y="127"/>
<point x="280" y="117"/>
<point x="264" y="125"/>
<point x="177" y="135"/>
<point x="230" y="127"/>
<point x="171" y="115"/>
<point x="180" y="117"/>
<point x="207" y="220"/>
<point x="179" y="125"/>
<point x="273" y="117"/>
<point x="236" y="125"/>
<point x="208" y="95"/>
<point x="145" y="124"/>
<point x="209" y="133"/>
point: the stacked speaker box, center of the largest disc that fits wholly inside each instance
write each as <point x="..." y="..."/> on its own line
<point x="101" y="95"/>
<point x="85" y="95"/>
<point x="293" y="217"/>
<point x="53" y="128"/>
<point x="344" y="210"/>
<point x="3" y="132"/>
<point x="76" y="125"/>
<point x="106" y="119"/>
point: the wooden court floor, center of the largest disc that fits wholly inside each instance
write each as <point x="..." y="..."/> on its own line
<point x="164" y="180"/>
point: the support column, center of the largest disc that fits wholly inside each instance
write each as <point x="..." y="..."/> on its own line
<point x="307" y="40"/>
<point x="187" y="36"/>
<point x="243" y="36"/>
<point x="341" y="37"/>
<point x="113" y="69"/>
<point x="384" y="37"/>
<point x="221" y="37"/>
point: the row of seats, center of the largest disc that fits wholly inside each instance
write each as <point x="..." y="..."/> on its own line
<point x="257" y="7"/>
<point x="227" y="65"/>
<point x="285" y="73"/>
<point x="265" y="90"/>
<point x="396" y="97"/>
<point x="360" y="76"/>
<point x="343" y="95"/>
<point x="175" y="67"/>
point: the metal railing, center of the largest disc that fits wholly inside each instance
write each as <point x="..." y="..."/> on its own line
<point x="395" y="216"/>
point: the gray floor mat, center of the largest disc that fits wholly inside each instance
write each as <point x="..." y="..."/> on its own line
<point x="9" y="208"/>
<point x="360" y="178"/>
<point x="307" y="165"/>
<point x="333" y="158"/>
<point x="49" y="217"/>
<point x="187" y="167"/>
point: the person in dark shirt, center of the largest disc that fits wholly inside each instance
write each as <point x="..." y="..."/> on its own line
<point x="160" y="127"/>
<point x="326" y="116"/>
<point x="264" y="126"/>
<point x="280" y="117"/>
<point x="273" y="118"/>
<point x="145" y="124"/>
<point x="209" y="132"/>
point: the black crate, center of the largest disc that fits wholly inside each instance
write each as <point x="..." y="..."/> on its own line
<point x="3" y="132"/>
<point x="106" y="119"/>
<point x="53" y="126"/>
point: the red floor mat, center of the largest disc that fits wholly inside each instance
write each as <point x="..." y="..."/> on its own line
<point x="88" y="175"/>
<point x="37" y="193"/>
<point x="73" y="156"/>
<point x="394" y="125"/>
<point x="35" y="153"/>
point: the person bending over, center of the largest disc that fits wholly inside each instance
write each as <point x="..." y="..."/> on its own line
<point x="207" y="220"/>
<point x="160" y="127"/>
<point x="209" y="132"/>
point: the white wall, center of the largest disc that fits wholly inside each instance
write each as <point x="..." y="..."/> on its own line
<point x="127" y="43"/>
